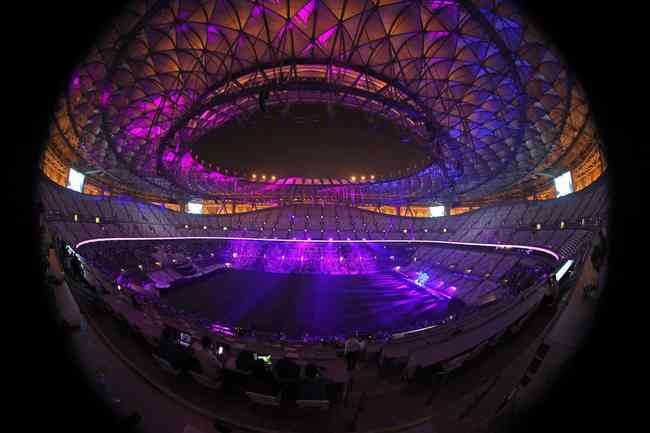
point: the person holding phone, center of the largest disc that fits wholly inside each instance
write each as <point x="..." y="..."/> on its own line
<point x="209" y="363"/>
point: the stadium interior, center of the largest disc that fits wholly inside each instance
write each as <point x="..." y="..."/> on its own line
<point x="323" y="215"/>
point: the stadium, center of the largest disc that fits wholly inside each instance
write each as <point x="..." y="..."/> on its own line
<point x="323" y="215"/>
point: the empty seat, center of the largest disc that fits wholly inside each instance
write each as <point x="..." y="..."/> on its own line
<point x="165" y="365"/>
<point x="206" y="381"/>
<point x="263" y="400"/>
<point x="315" y="404"/>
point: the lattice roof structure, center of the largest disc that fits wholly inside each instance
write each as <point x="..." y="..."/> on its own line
<point x="474" y="81"/>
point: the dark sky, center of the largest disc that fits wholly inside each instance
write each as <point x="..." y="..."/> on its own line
<point x="309" y="141"/>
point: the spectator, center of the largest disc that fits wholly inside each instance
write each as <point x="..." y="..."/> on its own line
<point x="209" y="364"/>
<point x="287" y="369"/>
<point x="263" y="381"/>
<point x="552" y="291"/>
<point x="313" y="387"/>
<point x="170" y="350"/>
<point x="230" y="361"/>
<point x="245" y="360"/>
<point x="351" y="352"/>
<point x="311" y="371"/>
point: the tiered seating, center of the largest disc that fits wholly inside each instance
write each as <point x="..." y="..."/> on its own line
<point x="73" y="217"/>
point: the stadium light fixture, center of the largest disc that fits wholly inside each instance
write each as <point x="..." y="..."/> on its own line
<point x="563" y="184"/>
<point x="76" y="180"/>
<point x="437" y="211"/>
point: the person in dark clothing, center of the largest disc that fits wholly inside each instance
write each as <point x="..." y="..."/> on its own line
<point x="311" y="371"/>
<point x="245" y="361"/>
<point x="262" y="381"/>
<point x="287" y="369"/>
<point x="171" y="351"/>
<point x="351" y="352"/>
<point x="288" y="374"/>
<point x="312" y="387"/>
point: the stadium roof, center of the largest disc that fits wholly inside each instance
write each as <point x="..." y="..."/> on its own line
<point x="473" y="81"/>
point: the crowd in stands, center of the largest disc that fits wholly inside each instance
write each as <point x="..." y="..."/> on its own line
<point x="565" y="225"/>
<point x="560" y="224"/>
<point x="244" y="370"/>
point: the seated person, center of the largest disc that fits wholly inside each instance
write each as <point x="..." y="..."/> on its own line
<point x="313" y="386"/>
<point x="170" y="350"/>
<point x="209" y="364"/>
<point x="262" y="381"/>
<point x="245" y="361"/>
<point x="230" y="360"/>
<point x="286" y="369"/>
<point x="232" y="378"/>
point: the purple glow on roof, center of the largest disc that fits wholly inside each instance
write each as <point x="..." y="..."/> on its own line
<point x="169" y="156"/>
<point x="183" y="27"/>
<point x="284" y="28"/>
<point x="257" y="10"/>
<point x="308" y="47"/>
<point x="106" y="94"/>
<point x="490" y="88"/>
<point x="435" y="35"/>
<point x="438" y="4"/>
<point x="213" y="33"/>
<point x="322" y="39"/>
<point x="187" y="161"/>
<point x="304" y="13"/>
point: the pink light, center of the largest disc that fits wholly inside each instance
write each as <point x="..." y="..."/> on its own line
<point x="325" y="36"/>
<point x="257" y="10"/>
<point x="436" y="35"/>
<point x="187" y="161"/>
<point x="305" y="12"/>
<point x="316" y="241"/>
<point x="213" y="33"/>
<point x="436" y="4"/>
<point x="283" y="29"/>
<point x="105" y="96"/>
<point x="308" y="47"/>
